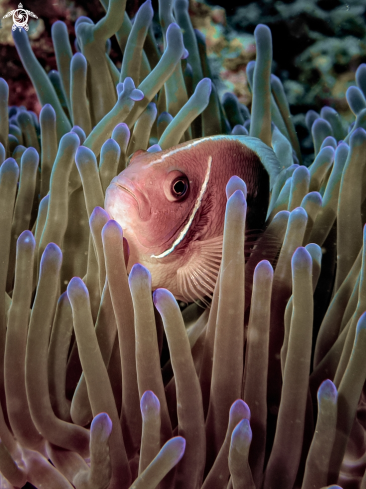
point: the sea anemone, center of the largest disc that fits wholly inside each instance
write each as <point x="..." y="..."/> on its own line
<point x="105" y="383"/>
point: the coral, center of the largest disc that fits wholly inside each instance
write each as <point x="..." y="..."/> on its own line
<point x="301" y="26"/>
<point x="105" y="383"/>
<point x="228" y="52"/>
<point x="318" y="46"/>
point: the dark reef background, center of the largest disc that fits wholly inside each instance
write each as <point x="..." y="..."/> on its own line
<point x="317" y="46"/>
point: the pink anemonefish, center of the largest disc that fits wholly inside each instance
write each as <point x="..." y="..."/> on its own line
<point x="171" y="206"/>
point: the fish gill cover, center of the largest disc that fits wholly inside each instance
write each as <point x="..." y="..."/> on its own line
<point x="105" y="382"/>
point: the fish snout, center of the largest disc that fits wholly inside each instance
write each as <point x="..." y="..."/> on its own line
<point x="131" y="189"/>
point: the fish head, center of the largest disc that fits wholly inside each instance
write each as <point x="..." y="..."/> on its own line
<point x="152" y="199"/>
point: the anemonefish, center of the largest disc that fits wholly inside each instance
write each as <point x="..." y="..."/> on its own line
<point x="171" y="207"/>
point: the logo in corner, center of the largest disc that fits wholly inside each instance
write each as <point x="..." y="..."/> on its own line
<point x="20" y="17"/>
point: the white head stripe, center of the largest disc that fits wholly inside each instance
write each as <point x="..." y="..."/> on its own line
<point x="194" y="212"/>
<point x="265" y="153"/>
<point x="176" y="150"/>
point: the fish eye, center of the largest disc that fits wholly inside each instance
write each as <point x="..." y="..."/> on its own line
<point x="176" y="186"/>
<point x="180" y="187"/>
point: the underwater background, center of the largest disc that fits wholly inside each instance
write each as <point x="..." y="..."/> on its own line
<point x="258" y="381"/>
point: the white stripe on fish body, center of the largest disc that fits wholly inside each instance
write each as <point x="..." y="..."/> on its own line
<point x="265" y="153"/>
<point x="194" y="212"/>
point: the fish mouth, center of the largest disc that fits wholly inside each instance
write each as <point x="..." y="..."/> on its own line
<point x="141" y="200"/>
<point x="122" y="187"/>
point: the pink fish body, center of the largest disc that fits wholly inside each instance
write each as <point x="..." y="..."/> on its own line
<point x="171" y="206"/>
